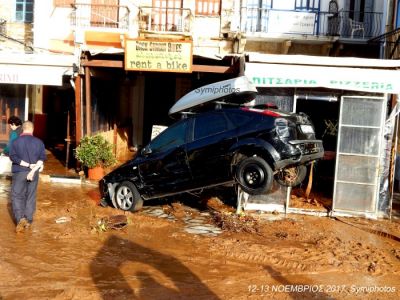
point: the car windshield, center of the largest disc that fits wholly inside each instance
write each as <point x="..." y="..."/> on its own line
<point x="171" y="137"/>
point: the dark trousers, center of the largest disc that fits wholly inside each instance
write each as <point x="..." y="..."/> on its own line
<point x="23" y="195"/>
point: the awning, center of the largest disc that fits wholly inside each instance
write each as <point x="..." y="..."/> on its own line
<point x="356" y="79"/>
<point x="35" y="69"/>
<point x="37" y="75"/>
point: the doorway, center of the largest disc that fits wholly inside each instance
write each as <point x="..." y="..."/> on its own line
<point x="57" y="120"/>
<point x="323" y="110"/>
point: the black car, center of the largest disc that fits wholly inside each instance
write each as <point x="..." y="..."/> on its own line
<point x="239" y="145"/>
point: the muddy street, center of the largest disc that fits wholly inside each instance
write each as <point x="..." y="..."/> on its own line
<point x="180" y="251"/>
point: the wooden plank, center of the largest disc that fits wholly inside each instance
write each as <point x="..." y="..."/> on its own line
<point x="1" y="118"/>
<point x="78" y="112"/>
<point x="212" y="69"/>
<point x="103" y="63"/>
<point x="195" y="68"/>
<point x="88" y="102"/>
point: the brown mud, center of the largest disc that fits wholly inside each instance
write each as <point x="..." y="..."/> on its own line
<point x="67" y="254"/>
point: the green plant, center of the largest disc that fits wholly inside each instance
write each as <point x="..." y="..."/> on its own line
<point x="95" y="151"/>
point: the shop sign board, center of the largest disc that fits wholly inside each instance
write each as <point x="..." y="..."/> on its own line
<point x="158" y="55"/>
<point x="291" y="22"/>
<point x="357" y="79"/>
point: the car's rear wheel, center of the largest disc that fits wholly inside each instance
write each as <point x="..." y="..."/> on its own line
<point x="127" y="197"/>
<point x="291" y="176"/>
<point x="254" y="175"/>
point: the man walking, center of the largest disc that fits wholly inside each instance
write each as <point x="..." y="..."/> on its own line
<point x="27" y="154"/>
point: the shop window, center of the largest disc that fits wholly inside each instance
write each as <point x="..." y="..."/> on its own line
<point x="24" y="11"/>
<point x="12" y="102"/>
<point x="208" y="7"/>
<point x="64" y="3"/>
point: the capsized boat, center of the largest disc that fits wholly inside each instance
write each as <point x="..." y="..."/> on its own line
<point x="236" y="90"/>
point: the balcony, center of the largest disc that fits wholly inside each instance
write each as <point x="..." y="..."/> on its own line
<point x="165" y="20"/>
<point x="266" y="22"/>
<point x="111" y="17"/>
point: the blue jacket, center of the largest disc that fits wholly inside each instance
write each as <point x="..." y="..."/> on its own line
<point x="27" y="148"/>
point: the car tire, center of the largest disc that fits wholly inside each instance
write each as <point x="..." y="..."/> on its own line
<point x="127" y="197"/>
<point x="291" y="176"/>
<point x="254" y="175"/>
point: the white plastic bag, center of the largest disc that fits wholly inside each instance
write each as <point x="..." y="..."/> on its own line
<point x="5" y="164"/>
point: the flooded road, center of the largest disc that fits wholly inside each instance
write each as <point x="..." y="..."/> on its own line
<point x="175" y="251"/>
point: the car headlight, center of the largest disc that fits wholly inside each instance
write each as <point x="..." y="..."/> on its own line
<point x="307" y="129"/>
<point x="282" y="127"/>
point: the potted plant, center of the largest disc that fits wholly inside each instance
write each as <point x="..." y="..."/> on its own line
<point x="95" y="153"/>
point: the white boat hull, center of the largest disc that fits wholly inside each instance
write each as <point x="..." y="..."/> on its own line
<point x="218" y="91"/>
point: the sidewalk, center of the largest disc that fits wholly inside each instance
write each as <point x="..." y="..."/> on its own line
<point x="54" y="167"/>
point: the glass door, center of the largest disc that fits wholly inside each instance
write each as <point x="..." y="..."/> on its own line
<point x="360" y="133"/>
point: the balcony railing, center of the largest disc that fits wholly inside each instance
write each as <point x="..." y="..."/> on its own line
<point x="391" y="41"/>
<point x="100" y="15"/>
<point x="345" y="24"/>
<point x="3" y="28"/>
<point x="158" y="19"/>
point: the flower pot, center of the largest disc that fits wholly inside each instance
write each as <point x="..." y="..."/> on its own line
<point x="95" y="173"/>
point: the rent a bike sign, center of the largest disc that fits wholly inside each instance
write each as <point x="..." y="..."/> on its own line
<point x="158" y="55"/>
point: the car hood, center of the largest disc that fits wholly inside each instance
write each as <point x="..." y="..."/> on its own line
<point x="125" y="170"/>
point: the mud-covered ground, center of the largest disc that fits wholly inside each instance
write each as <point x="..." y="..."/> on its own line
<point x="71" y="253"/>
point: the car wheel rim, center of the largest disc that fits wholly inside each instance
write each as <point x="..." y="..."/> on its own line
<point x="125" y="198"/>
<point x="253" y="176"/>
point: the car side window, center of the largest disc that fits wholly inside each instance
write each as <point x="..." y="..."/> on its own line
<point x="171" y="137"/>
<point x="210" y="124"/>
<point x="238" y="119"/>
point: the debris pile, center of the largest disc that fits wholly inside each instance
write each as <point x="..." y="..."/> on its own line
<point x="112" y="222"/>
<point x="236" y="223"/>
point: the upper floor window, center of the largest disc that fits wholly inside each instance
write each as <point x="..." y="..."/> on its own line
<point x="64" y="3"/>
<point x="24" y="11"/>
<point x="310" y="5"/>
<point x="208" y="7"/>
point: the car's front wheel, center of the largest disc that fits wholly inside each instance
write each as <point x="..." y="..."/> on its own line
<point x="254" y="175"/>
<point x="291" y="176"/>
<point x="127" y="197"/>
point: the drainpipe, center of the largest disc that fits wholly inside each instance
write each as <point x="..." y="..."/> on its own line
<point x="240" y="15"/>
<point x="384" y="25"/>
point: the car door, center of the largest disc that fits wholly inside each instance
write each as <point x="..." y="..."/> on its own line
<point x="164" y="168"/>
<point x="208" y="152"/>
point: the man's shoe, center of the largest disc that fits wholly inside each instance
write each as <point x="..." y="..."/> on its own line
<point x="21" y="225"/>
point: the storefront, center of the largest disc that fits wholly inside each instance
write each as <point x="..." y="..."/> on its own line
<point x="125" y="92"/>
<point x="22" y="77"/>
<point x="352" y="103"/>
